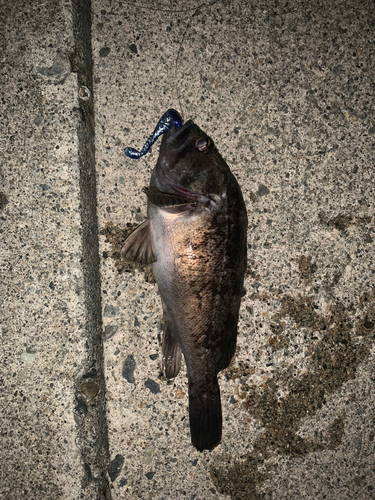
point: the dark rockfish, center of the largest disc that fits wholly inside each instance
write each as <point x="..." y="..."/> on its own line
<point x="195" y="238"/>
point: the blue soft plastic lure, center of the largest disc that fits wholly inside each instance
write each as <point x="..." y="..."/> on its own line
<point x="166" y="121"/>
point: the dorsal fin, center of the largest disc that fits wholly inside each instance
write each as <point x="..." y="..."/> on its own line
<point x="139" y="245"/>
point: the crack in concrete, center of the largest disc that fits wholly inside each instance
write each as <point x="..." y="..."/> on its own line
<point x="90" y="405"/>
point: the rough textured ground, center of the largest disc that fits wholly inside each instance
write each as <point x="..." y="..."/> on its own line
<point x="42" y="310"/>
<point x="286" y="90"/>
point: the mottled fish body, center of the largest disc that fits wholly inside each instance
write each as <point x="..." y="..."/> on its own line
<point x="195" y="238"/>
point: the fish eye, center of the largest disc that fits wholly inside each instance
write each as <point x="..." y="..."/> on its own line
<point x="202" y="144"/>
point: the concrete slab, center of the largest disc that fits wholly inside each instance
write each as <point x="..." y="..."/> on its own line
<point x="286" y="91"/>
<point x="51" y="390"/>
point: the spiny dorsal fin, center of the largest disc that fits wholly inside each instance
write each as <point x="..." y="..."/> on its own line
<point x="139" y="246"/>
<point x="160" y="199"/>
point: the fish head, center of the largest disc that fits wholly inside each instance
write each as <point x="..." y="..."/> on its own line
<point x="190" y="166"/>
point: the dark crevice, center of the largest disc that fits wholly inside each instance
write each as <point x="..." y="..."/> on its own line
<point x="90" y="404"/>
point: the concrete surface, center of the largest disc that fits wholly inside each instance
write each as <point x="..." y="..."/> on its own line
<point x="53" y="434"/>
<point x="286" y="90"/>
<point x="42" y="312"/>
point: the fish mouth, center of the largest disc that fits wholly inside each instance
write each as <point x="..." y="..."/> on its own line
<point x="179" y="136"/>
<point x="174" y="142"/>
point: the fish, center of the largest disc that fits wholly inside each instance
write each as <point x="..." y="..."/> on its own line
<point x="195" y="238"/>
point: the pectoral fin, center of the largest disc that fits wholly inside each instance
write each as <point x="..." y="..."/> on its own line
<point x="139" y="246"/>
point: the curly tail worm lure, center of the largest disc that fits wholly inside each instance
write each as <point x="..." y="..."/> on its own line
<point x="166" y="121"/>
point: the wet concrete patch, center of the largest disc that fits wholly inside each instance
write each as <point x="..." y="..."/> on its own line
<point x="343" y="221"/>
<point x="306" y="267"/>
<point x="116" y="238"/>
<point x="286" y="398"/>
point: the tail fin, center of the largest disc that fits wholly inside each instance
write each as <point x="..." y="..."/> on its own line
<point x="205" y="414"/>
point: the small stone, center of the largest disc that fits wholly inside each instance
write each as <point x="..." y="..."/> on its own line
<point x="152" y="386"/>
<point x="110" y="311"/>
<point x="59" y="66"/>
<point x="128" y="369"/>
<point x="80" y="406"/>
<point x="37" y="120"/>
<point x="262" y="190"/>
<point x="129" y="417"/>
<point x="148" y="454"/>
<point x="28" y="357"/>
<point x="114" y="468"/>
<point x="109" y="331"/>
<point x="180" y="393"/>
<point x="122" y="482"/>
<point x="104" y="51"/>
